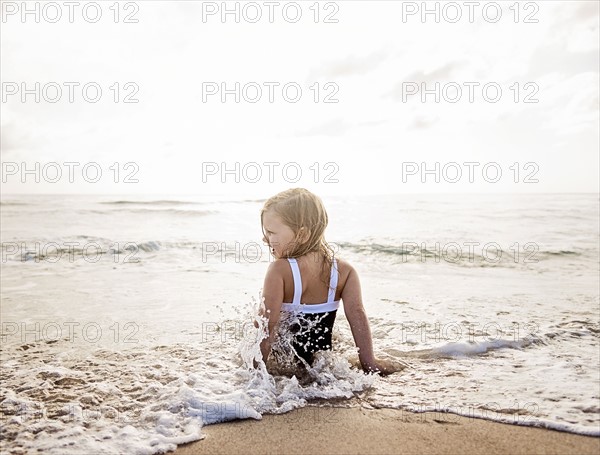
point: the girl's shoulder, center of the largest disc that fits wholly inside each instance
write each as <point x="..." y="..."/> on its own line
<point x="344" y="269"/>
<point x="343" y="264"/>
<point x="279" y="266"/>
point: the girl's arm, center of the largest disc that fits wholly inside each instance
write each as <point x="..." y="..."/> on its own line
<point x="273" y="298"/>
<point x="359" y="324"/>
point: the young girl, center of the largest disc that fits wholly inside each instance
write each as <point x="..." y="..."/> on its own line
<point x="306" y="277"/>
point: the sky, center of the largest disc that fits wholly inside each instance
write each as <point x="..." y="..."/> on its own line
<point x="358" y="114"/>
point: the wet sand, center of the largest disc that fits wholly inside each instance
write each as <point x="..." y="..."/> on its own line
<point x="347" y="431"/>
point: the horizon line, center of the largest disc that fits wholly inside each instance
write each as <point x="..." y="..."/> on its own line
<point x="245" y="195"/>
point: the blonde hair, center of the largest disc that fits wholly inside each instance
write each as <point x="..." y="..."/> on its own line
<point x="299" y="208"/>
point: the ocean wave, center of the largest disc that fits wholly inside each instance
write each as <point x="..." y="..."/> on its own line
<point x="251" y="200"/>
<point x="94" y="249"/>
<point x="69" y="249"/>
<point x="157" y="202"/>
<point x="178" y="212"/>
<point x="147" y="211"/>
<point x="461" y="255"/>
<point x="175" y="202"/>
<point x="13" y="203"/>
<point x="463" y="349"/>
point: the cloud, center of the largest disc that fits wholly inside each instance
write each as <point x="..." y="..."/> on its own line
<point x="573" y="105"/>
<point x="335" y="127"/>
<point x="554" y="57"/>
<point x="576" y="26"/>
<point x="440" y="74"/>
<point x="351" y="65"/>
<point x="421" y="122"/>
<point x="13" y="136"/>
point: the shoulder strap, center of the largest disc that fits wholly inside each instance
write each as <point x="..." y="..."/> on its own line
<point x="333" y="281"/>
<point x="297" y="281"/>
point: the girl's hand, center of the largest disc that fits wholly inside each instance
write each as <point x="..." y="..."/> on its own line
<point x="384" y="367"/>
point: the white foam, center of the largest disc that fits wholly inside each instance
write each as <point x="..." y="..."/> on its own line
<point x="458" y="349"/>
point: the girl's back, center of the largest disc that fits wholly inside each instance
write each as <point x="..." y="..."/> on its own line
<point x="315" y="273"/>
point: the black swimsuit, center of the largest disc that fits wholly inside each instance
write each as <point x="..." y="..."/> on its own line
<point x="313" y="335"/>
<point x="314" y="331"/>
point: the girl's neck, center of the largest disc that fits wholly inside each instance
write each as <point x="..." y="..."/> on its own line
<point x="311" y="256"/>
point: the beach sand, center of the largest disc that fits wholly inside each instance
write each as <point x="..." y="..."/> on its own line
<point x="382" y="431"/>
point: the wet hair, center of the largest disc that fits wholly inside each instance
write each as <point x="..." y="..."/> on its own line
<point x="299" y="208"/>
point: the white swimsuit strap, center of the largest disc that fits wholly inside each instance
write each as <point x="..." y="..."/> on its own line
<point x="297" y="281"/>
<point x="333" y="281"/>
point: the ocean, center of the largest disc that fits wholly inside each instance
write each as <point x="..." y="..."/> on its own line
<point x="127" y="322"/>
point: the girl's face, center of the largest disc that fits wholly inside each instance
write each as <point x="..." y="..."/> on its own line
<point x="279" y="236"/>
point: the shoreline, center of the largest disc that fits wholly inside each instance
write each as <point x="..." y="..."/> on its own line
<point x="348" y="431"/>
